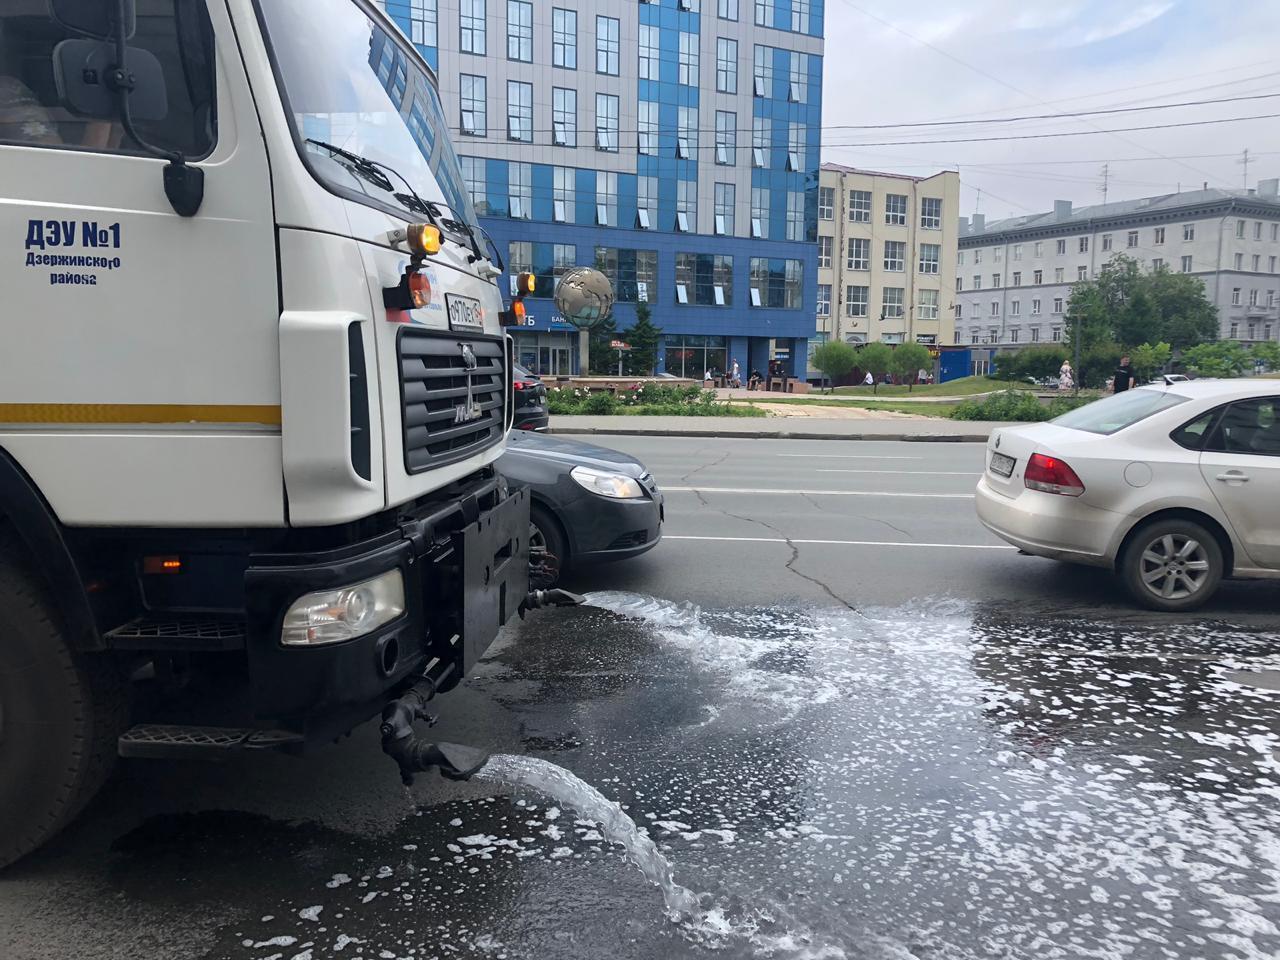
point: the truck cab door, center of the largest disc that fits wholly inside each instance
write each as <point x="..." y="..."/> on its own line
<point x="122" y="317"/>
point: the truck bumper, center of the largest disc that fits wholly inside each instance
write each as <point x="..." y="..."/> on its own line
<point x="465" y="565"/>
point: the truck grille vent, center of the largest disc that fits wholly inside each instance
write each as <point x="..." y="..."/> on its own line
<point x="453" y="392"/>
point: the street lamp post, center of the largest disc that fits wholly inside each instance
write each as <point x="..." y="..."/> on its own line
<point x="1075" y="343"/>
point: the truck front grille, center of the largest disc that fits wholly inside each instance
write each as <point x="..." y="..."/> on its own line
<point x="452" y="390"/>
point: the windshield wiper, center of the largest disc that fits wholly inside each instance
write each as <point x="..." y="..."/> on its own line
<point x="362" y="166"/>
<point x="458" y="225"/>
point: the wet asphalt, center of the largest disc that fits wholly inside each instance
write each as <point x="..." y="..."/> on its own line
<point x="854" y="724"/>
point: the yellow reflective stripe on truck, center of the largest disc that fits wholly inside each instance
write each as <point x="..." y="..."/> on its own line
<point x="267" y="414"/>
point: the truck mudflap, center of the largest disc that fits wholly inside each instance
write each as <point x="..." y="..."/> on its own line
<point x="465" y="566"/>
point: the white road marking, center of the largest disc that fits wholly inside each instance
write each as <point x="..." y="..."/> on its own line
<point x="913" y="473"/>
<point x="846" y="543"/>
<point x="819" y="493"/>
<point x="842" y="456"/>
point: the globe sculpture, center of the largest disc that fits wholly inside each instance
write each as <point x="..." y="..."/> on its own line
<point x="584" y="297"/>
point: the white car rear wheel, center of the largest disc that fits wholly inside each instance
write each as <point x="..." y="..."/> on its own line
<point x="1173" y="565"/>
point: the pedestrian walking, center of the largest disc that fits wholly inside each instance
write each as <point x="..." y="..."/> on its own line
<point x="1066" y="377"/>
<point x="735" y="379"/>
<point x="1124" y="378"/>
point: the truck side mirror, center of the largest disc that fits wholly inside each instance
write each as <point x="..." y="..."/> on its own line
<point x="585" y="297"/>
<point x="93" y="18"/>
<point x="81" y="68"/>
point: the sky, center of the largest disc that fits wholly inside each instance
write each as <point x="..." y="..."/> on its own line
<point x="910" y="61"/>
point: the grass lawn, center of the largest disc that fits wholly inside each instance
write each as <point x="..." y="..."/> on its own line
<point x="942" y="410"/>
<point x="964" y="387"/>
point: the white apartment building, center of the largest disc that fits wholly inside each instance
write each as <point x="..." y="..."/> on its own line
<point x="1013" y="278"/>
<point x="886" y="255"/>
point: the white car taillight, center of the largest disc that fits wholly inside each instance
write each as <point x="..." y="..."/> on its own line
<point x="1051" y="475"/>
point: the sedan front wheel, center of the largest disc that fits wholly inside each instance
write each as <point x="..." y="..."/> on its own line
<point x="1172" y="565"/>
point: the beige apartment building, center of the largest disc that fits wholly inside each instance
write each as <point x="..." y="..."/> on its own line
<point x="887" y="256"/>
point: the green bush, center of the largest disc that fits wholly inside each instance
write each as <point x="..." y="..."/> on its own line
<point x="645" y="399"/>
<point x="1015" y="405"/>
<point x="600" y="404"/>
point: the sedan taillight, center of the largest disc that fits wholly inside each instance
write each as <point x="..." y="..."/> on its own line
<point x="525" y="384"/>
<point x="1051" y="475"/>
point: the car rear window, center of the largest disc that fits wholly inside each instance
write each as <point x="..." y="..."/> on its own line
<point x="1112" y="414"/>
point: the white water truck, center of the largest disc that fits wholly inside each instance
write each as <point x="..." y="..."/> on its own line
<point x="253" y="382"/>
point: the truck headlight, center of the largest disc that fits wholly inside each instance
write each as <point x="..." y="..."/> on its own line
<point x="615" y="486"/>
<point x="330" y="616"/>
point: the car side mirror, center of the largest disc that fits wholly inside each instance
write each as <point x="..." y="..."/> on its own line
<point x="93" y="18"/>
<point x="81" y="71"/>
<point x="585" y="297"/>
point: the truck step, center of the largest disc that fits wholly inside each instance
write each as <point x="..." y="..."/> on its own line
<point x="173" y="741"/>
<point x="152" y="632"/>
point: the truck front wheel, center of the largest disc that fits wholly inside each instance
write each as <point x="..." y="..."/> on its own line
<point x="60" y="713"/>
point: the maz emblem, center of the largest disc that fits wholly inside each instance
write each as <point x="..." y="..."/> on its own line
<point x="470" y="410"/>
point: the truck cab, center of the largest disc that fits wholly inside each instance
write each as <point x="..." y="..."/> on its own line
<point x="253" y="385"/>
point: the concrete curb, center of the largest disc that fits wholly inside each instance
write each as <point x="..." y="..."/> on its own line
<point x="773" y="435"/>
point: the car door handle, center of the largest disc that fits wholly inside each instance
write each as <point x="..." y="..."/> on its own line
<point x="1235" y="475"/>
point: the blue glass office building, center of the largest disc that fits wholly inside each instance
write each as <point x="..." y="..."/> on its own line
<point x="674" y="144"/>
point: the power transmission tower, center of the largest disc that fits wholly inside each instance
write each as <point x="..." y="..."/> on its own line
<point x="1106" y="180"/>
<point x="1244" y="162"/>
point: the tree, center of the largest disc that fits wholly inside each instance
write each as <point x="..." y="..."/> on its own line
<point x="1097" y="362"/>
<point x="1224" y="359"/>
<point x="908" y="360"/>
<point x="643" y="336"/>
<point x="1040" y="362"/>
<point x="1148" y="359"/>
<point x="875" y="359"/>
<point x="1268" y="352"/>
<point x="1125" y="305"/>
<point x="835" y="359"/>
<point x="603" y="358"/>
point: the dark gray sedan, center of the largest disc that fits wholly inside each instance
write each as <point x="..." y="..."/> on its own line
<point x="589" y="504"/>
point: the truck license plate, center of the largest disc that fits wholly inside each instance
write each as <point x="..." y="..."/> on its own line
<point x="1002" y="465"/>
<point x="464" y="313"/>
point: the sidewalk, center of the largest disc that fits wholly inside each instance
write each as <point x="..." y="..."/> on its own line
<point x="762" y="396"/>
<point x="778" y="428"/>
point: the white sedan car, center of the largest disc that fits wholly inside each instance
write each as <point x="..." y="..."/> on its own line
<point x="1173" y="486"/>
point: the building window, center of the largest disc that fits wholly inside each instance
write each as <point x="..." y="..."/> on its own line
<point x="564" y="117"/>
<point x="859" y="206"/>
<point x="777" y="283"/>
<point x="1257" y="263"/>
<point x="564" y="257"/>
<point x="564" y="38"/>
<point x="726" y="65"/>
<point x="649" y="55"/>
<point x="727" y="9"/>
<point x="1234" y="331"/>
<point x="1235" y="291"/>
<point x="997" y="254"/>
<point x="975" y="336"/>
<point x="795" y="147"/>
<point x="1238" y="262"/>
<point x="927" y="308"/>
<point x="826" y="203"/>
<point x="1084" y="245"/>
<point x="959" y="314"/>
<point x="607" y="45"/>
<point x="977" y="281"/>
<point x="977" y="256"/>
<point x="1015" y="308"/>
<point x="1017" y="251"/>
<point x="1253" y="298"/>
<point x="1275" y="232"/>
<point x="647" y="124"/>
<point x="1106" y="242"/>
<point x="1057" y="307"/>
<point x="519" y="257"/>
<point x="1035" y="334"/>
<point x="704" y="279"/>
<point x="1132" y="239"/>
<point x="1017" y="278"/>
<point x="423" y="21"/>
<point x="1157" y="264"/>
<point x="688" y="59"/>
<point x="607" y="122"/>
<point x="858" y="255"/>
<point x="687" y="206"/>
<point x="959" y="284"/>
<point x="473" y="178"/>
<point x="606" y="198"/>
<point x="760" y="212"/>
<point x="687" y="133"/>
<point x="800" y="16"/>
<point x="930" y="257"/>
<point x="764" y="13"/>
<point x="824" y="299"/>
<point x="520" y="190"/>
<point x="520" y="111"/>
<point x="563" y="187"/>
<point x="760" y="142"/>
<point x="1039" y="249"/>
<point x="726" y="137"/>
<point x="1239" y="229"/>
<point x="1056" y="334"/>
<point x="1188" y="231"/>
<point x="795" y="215"/>
<point x="931" y="213"/>
<point x="960" y="258"/>
<point x="895" y="253"/>
<point x="1037" y="277"/>
<point x="762" y="75"/>
<point x="475" y="113"/>
<point x="1013" y="335"/>
<point x="1159" y="236"/>
<point x="1272" y="264"/>
<point x="1186" y="264"/>
<point x="995" y="308"/>
<point x="856" y="301"/>
<point x="1082" y="273"/>
<point x="472" y="27"/>
<point x="825" y="245"/>
<point x="632" y="272"/>
<point x="520" y="31"/>
<point x="1059" y="274"/>
<point x="646" y="202"/>
<point x="724" y="199"/>
<point x="798" y="88"/>
<point x="895" y="209"/>
<point x="891" y="306"/>
<point x="995" y="280"/>
<point x="1062" y="248"/>
<point x="1035" y="307"/>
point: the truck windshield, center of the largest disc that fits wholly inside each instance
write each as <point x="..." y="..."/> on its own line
<point x="350" y="82"/>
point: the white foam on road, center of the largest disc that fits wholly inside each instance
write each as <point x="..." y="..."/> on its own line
<point x="845" y="543"/>
<point x="819" y="493"/>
